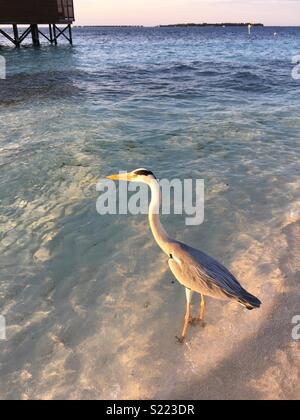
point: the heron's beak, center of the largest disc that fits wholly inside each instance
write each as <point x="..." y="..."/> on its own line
<point x="120" y="177"/>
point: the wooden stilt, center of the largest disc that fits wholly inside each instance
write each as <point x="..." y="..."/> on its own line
<point x="35" y="35"/>
<point x="16" y="35"/>
<point x="70" y="35"/>
<point x="54" y="34"/>
<point x="50" y="33"/>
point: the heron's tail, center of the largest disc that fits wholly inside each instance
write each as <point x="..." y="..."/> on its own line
<point x="249" y="301"/>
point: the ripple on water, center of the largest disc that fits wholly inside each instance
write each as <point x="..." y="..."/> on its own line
<point x="90" y="305"/>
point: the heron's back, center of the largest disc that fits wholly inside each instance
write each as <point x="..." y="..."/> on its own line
<point x="199" y="272"/>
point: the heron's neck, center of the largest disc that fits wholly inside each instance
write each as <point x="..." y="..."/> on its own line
<point x="159" y="233"/>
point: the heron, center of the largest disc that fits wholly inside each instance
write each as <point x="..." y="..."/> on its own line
<point x="195" y="270"/>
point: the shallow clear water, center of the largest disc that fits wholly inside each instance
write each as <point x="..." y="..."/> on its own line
<point x="90" y="305"/>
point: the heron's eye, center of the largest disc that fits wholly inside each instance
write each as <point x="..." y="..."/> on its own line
<point x="143" y="172"/>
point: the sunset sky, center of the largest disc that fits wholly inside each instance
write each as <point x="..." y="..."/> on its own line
<point x="154" y="12"/>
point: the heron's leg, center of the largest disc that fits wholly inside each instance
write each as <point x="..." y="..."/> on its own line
<point x="189" y="294"/>
<point x="202" y="308"/>
<point x="196" y="321"/>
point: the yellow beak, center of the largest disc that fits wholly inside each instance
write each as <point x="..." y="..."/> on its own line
<point x="120" y="177"/>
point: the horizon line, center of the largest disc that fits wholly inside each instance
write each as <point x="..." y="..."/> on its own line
<point x="178" y="25"/>
<point x="183" y="24"/>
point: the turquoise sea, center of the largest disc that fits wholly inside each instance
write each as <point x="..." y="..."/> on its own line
<point x="90" y="305"/>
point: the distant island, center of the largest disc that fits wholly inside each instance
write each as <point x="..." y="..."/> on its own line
<point x="108" y="26"/>
<point x="187" y="25"/>
<point x="176" y="25"/>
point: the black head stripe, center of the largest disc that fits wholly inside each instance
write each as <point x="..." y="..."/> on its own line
<point x="144" y="172"/>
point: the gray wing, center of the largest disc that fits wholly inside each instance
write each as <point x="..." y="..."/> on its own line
<point x="199" y="272"/>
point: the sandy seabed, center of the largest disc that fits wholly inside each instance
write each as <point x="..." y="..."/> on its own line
<point x="121" y="343"/>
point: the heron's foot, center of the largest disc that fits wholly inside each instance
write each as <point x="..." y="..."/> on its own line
<point x="198" y="321"/>
<point x="180" y="339"/>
